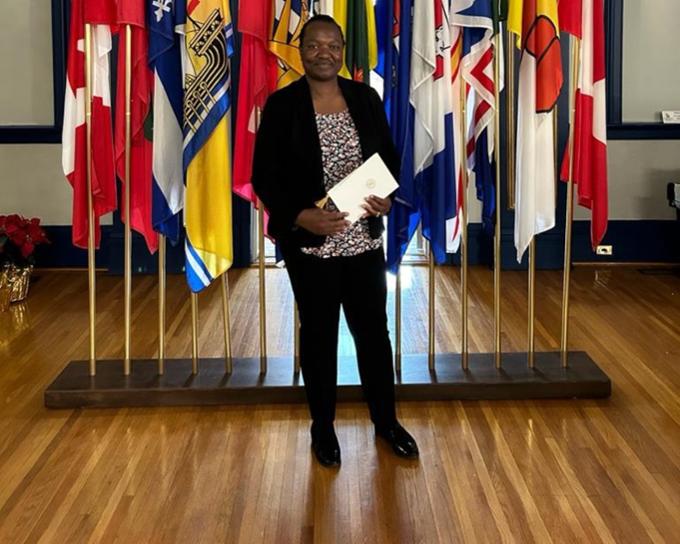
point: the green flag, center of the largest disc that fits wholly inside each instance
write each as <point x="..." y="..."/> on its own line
<point x="500" y="13"/>
<point x="360" y="34"/>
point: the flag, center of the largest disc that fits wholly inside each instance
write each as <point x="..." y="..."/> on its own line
<point x="166" y="61"/>
<point x="340" y="16"/>
<point x="430" y="196"/>
<point x="476" y="18"/>
<point x="288" y="18"/>
<point x="397" y="69"/>
<point x="257" y="64"/>
<point x="584" y="19"/>
<point x="570" y="14"/>
<point x="535" y="22"/>
<point x="324" y="7"/>
<point x="458" y="86"/>
<point x="208" y="46"/>
<point x="433" y="122"/>
<point x="403" y="217"/>
<point x="500" y="13"/>
<point x="386" y="21"/>
<point x="74" y="134"/>
<point x="131" y="12"/>
<point x="361" y="49"/>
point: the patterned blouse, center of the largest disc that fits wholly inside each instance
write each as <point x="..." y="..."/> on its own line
<point x="341" y="154"/>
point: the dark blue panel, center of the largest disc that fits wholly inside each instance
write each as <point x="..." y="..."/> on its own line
<point x="643" y="131"/>
<point x="61" y="253"/>
<point x="633" y="241"/>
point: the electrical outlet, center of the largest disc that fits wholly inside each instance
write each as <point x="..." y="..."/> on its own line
<point x="604" y="250"/>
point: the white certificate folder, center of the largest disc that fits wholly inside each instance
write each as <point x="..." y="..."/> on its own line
<point x="371" y="178"/>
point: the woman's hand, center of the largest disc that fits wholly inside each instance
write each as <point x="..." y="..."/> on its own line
<point x="376" y="206"/>
<point x="322" y="222"/>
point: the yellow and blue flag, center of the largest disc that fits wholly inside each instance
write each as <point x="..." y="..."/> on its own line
<point x="207" y="48"/>
<point x="288" y="18"/>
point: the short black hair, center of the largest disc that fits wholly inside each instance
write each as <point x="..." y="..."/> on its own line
<point x="320" y="19"/>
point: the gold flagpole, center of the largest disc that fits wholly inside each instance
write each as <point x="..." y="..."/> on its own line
<point x="161" y="304"/>
<point x="397" y="325"/>
<point x="226" y="319"/>
<point x="557" y="148"/>
<point x="296" y="325"/>
<point x="194" y="333"/>
<point x="510" y="119"/>
<point x="464" y="229"/>
<point x="497" y="230"/>
<point x="556" y="115"/>
<point x="261" y="267"/>
<point x="90" y="204"/>
<point x="128" y="184"/>
<point x="532" y="303"/>
<point x="263" y="306"/>
<point x="430" y="321"/>
<point x="573" y="77"/>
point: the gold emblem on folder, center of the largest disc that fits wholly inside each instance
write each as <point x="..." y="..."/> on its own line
<point x="322" y="203"/>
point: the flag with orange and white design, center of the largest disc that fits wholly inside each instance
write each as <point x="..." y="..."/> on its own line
<point x="535" y="22"/>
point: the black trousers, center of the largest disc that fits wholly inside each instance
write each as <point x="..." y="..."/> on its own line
<point x="320" y="287"/>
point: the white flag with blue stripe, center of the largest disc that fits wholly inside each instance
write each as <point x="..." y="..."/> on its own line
<point x="165" y="60"/>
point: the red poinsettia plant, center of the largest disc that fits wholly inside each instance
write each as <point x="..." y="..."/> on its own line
<point x="18" y="238"/>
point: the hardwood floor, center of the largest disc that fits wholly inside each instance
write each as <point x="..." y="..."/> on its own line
<point x="529" y="471"/>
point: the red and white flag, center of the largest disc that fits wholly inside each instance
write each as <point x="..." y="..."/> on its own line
<point x="585" y="20"/>
<point x="257" y="78"/>
<point x="101" y="15"/>
<point x="131" y="12"/>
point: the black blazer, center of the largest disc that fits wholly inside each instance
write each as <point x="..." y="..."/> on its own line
<point x="287" y="167"/>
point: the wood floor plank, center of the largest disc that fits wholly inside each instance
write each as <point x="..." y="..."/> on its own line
<point x="511" y="471"/>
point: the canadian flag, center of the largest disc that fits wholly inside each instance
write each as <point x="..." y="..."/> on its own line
<point x="74" y="137"/>
<point x="585" y="20"/>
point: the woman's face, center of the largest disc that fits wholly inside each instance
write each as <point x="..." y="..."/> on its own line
<point x="321" y="51"/>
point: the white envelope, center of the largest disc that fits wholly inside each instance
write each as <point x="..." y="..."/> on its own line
<point x="371" y="178"/>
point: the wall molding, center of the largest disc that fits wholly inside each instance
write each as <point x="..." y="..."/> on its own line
<point x="641" y="241"/>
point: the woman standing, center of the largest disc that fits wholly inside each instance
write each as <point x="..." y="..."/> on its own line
<point x="312" y="134"/>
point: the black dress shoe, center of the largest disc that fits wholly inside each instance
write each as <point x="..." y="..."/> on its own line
<point x="403" y="444"/>
<point x="326" y="447"/>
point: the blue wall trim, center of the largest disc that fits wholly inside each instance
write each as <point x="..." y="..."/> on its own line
<point x="643" y="131"/>
<point x="633" y="241"/>
<point x="61" y="253"/>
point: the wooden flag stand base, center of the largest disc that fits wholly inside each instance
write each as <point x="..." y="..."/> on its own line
<point x="75" y="388"/>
